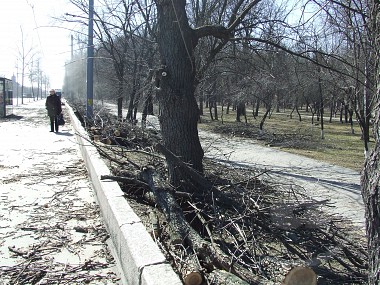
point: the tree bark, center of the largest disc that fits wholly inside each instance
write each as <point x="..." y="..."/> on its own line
<point x="223" y="277"/>
<point x="190" y="270"/>
<point x="371" y="196"/>
<point x="120" y="108"/>
<point x="370" y="179"/>
<point x="261" y="127"/>
<point x="179" y="110"/>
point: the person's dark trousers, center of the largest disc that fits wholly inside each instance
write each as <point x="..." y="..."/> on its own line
<point x="53" y="123"/>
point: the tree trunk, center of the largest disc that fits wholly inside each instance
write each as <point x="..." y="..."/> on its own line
<point x="210" y="110"/>
<point x="179" y="110"/>
<point x="224" y="277"/>
<point x="370" y="179"/>
<point x="241" y="111"/>
<point x="120" y="108"/>
<point x="371" y="196"/>
<point x="216" y="111"/>
<point x="201" y="99"/>
<point x="257" y="108"/>
<point x="148" y="101"/>
<point x="321" y="106"/>
<point x="261" y="127"/>
<point x="132" y="98"/>
<point x="299" y="114"/>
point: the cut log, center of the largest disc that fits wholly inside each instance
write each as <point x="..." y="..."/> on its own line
<point x="191" y="272"/>
<point x="218" y="277"/>
<point x="286" y="272"/>
<point x="168" y="205"/>
<point x="300" y="276"/>
<point x="154" y="229"/>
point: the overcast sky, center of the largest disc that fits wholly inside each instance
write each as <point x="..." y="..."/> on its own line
<point x="35" y="19"/>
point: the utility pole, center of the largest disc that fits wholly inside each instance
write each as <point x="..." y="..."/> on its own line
<point x="90" y="62"/>
<point x="72" y="47"/>
<point x="70" y="75"/>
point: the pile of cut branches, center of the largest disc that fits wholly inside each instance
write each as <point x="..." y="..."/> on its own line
<point x="297" y="139"/>
<point x="238" y="227"/>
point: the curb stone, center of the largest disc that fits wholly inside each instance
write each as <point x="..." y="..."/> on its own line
<point x="139" y="259"/>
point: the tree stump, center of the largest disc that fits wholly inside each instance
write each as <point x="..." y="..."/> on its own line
<point x="191" y="271"/>
<point x="286" y="272"/>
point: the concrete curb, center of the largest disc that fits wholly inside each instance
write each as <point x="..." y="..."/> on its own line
<point x="140" y="260"/>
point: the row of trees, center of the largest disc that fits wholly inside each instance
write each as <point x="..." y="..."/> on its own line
<point x="28" y="67"/>
<point x="275" y="58"/>
<point x="319" y="54"/>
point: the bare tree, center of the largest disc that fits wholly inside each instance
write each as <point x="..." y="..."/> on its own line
<point x="177" y="78"/>
<point x="25" y="56"/>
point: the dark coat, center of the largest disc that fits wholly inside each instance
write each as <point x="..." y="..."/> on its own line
<point x="53" y="105"/>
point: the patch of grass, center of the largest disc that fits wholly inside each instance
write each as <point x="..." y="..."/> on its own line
<point x="339" y="146"/>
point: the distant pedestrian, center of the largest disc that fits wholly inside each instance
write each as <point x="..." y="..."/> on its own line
<point x="54" y="108"/>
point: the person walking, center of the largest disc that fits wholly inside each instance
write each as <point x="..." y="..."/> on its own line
<point x="54" y="108"/>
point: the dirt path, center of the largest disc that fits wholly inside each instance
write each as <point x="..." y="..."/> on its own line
<point x="320" y="180"/>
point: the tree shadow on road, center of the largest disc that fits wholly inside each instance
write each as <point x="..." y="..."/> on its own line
<point x="11" y="117"/>
<point x="64" y="133"/>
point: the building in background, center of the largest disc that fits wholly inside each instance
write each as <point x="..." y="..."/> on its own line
<point x="59" y="93"/>
<point x="6" y="97"/>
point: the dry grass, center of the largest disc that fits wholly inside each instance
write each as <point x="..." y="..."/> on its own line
<point x="339" y="146"/>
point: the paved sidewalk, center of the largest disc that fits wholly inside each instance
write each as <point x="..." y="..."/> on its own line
<point x="51" y="231"/>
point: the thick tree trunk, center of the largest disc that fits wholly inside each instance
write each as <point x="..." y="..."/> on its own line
<point x="179" y="110"/>
<point x="371" y="173"/>
<point x="240" y="111"/>
<point x="371" y="197"/>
